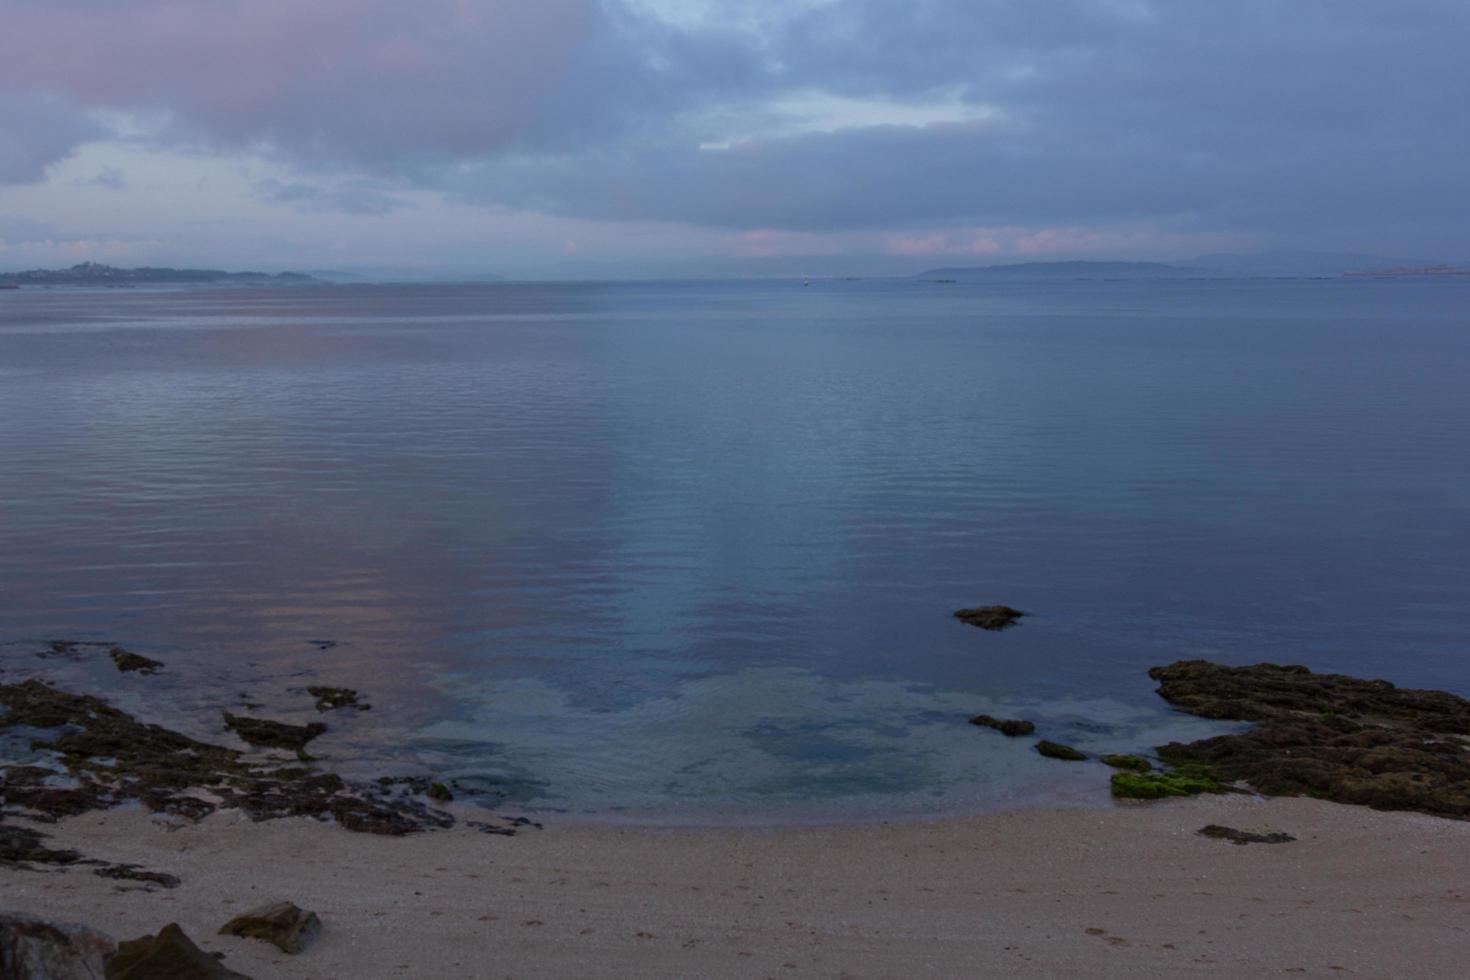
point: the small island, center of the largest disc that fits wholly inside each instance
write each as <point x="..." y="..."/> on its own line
<point x="97" y="274"/>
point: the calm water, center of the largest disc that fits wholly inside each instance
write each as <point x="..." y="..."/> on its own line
<point x="689" y="551"/>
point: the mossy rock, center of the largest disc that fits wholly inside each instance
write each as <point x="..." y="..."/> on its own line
<point x="440" y="793"/>
<point x="1137" y="763"/>
<point x="1056" y="750"/>
<point x="1158" y="785"/>
<point x="1006" y="726"/>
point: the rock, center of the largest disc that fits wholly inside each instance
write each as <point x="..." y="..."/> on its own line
<point x="1325" y="735"/>
<point x="989" y="617"/>
<point x="282" y="924"/>
<point x="1243" y="836"/>
<point x="331" y="698"/>
<point x="126" y="660"/>
<point x="440" y="793"/>
<point x="170" y="955"/>
<point x="264" y="733"/>
<point x="40" y="949"/>
<point x="1157" y="785"/>
<point x="135" y="872"/>
<point x="1056" y="750"/>
<point x="1006" y="726"/>
<point x="1135" y="762"/>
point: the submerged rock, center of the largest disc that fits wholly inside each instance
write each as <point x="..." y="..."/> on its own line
<point x="1006" y="726"/>
<point x="170" y="955"/>
<point x="1243" y="836"/>
<point x="32" y="948"/>
<point x="989" y="617"/>
<point x="1056" y="750"/>
<point x="282" y="924"/>
<point x="269" y="734"/>
<point x="331" y="698"/>
<point x="126" y="660"/>
<point x="1325" y="735"/>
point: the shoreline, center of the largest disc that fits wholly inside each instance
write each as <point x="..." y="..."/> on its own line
<point x="1130" y="890"/>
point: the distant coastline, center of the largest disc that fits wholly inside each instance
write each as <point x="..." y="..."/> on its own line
<point x="97" y="274"/>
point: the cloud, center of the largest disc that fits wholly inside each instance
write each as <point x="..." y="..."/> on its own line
<point x="346" y="196"/>
<point x="1281" y="119"/>
<point x="37" y="130"/>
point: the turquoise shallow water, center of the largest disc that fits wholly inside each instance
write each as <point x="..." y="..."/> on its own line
<point x="687" y="551"/>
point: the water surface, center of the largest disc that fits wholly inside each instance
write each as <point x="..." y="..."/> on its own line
<point x="687" y="551"/>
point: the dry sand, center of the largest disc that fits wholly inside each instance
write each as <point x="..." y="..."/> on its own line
<point x="1130" y="891"/>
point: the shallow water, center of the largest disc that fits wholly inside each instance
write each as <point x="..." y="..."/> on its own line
<point x="688" y="551"/>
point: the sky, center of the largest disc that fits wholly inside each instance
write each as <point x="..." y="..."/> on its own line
<point x="589" y="138"/>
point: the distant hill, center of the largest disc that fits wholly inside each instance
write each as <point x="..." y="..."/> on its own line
<point x="1296" y="263"/>
<point x="96" y="274"/>
<point x="1062" y="270"/>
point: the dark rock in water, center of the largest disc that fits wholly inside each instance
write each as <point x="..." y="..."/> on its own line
<point x="1158" y="785"/>
<point x="1243" y="836"/>
<point x="440" y="793"/>
<point x="170" y="955"/>
<point x="269" y="734"/>
<point x="330" y="698"/>
<point x="282" y="924"/>
<point x="323" y="644"/>
<point x="1325" y="735"/>
<point x="989" y="617"/>
<point x="40" y="949"/>
<point x="1056" y="750"/>
<point x="1135" y="762"/>
<point x="126" y="660"/>
<point x="1006" y="726"/>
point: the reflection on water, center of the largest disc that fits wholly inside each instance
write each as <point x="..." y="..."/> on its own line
<point x="690" y="550"/>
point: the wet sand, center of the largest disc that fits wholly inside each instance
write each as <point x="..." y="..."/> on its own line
<point x="1127" y="891"/>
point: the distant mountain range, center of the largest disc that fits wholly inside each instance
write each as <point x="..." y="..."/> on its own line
<point x="1063" y="270"/>
<point x="1218" y="266"/>
<point x="96" y="274"/>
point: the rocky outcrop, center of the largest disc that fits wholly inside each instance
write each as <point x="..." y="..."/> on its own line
<point x="1056" y="750"/>
<point x="1244" y="836"/>
<point x="1006" y="726"/>
<point x="267" y="734"/>
<point x="989" y="617"/>
<point x="127" y="660"/>
<point x="40" y="949"/>
<point x="281" y="924"/>
<point x="1325" y="735"/>
<point x="170" y="955"/>
<point x="332" y="698"/>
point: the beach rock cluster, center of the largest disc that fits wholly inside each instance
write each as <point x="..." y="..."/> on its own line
<point x="98" y="756"/>
<point x="282" y="924"/>
<point x="1325" y="735"/>
<point x="1244" y="836"/>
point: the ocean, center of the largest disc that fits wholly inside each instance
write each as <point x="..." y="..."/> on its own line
<point x="687" y="552"/>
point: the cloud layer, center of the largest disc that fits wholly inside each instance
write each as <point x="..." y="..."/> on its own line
<point x="1281" y="119"/>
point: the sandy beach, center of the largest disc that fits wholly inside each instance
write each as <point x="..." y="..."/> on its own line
<point x="1125" y="891"/>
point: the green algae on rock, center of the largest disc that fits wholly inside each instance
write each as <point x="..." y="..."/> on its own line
<point x="1244" y="836"/>
<point x="1056" y="750"/>
<point x="1328" y="736"/>
<point x="1006" y="726"/>
<point x="1135" y="762"/>
<point x="989" y="617"/>
<point x="1158" y="785"/>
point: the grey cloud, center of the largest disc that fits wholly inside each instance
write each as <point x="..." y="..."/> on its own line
<point x="348" y="196"/>
<point x="36" y="131"/>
